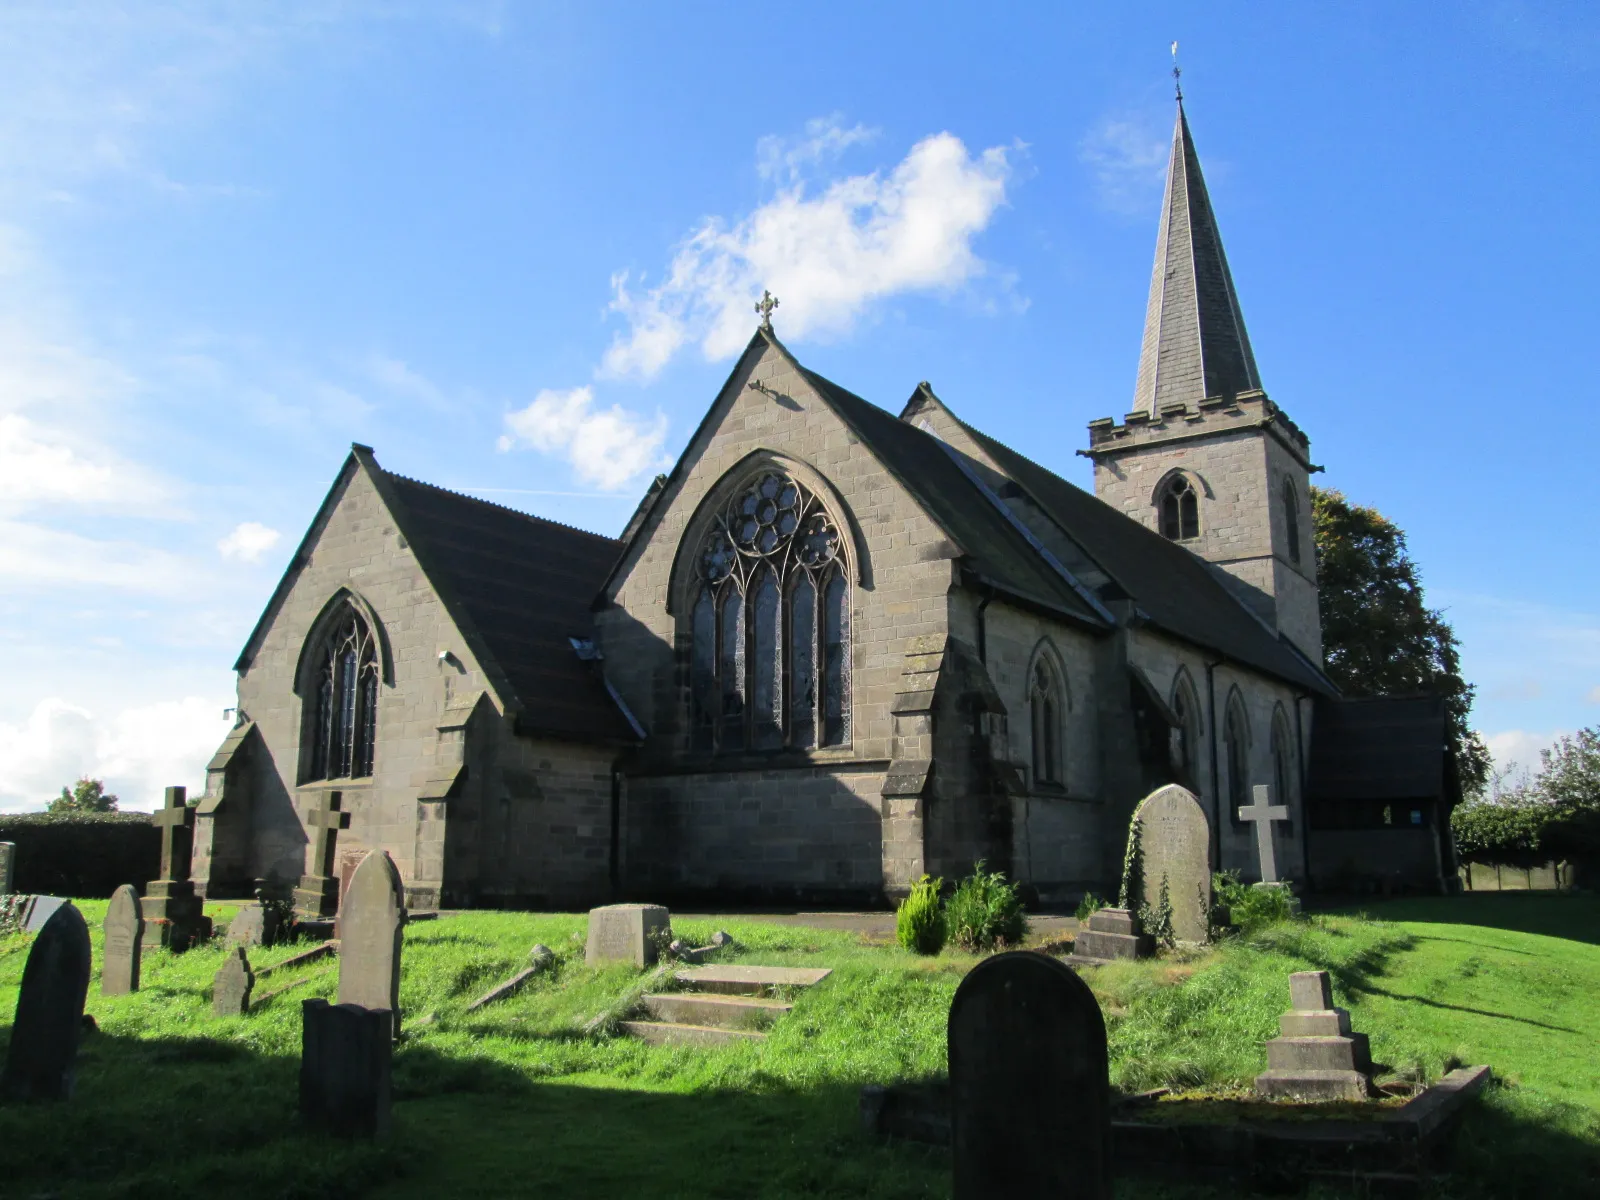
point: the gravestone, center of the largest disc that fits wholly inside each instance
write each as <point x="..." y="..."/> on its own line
<point x="231" y="986"/>
<point x="124" y="936"/>
<point x="8" y="867"/>
<point x="1175" y="845"/>
<point x="40" y="910"/>
<point x="1315" y="1056"/>
<point x="317" y="894"/>
<point x="632" y="933"/>
<point x="172" y="911"/>
<point x="44" y="1032"/>
<point x="371" y="928"/>
<point x="1030" y="1092"/>
<point x="1111" y="933"/>
<point x="346" y="1052"/>
<point x="255" y="925"/>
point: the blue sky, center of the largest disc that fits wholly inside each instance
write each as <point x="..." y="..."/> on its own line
<point x="513" y="247"/>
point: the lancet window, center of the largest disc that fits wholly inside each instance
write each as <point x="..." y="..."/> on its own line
<point x="770" y="624"/>
<point x="1236" y="743"/>
<point x="1180" y="509"/>
<point x="1044" y="701"/>
<point x="346" y="721"/>
<point x="1291" y="520"/>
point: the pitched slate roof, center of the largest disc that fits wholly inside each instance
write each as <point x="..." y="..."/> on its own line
<point x="996" y="549"/>
<point x="1176" y="589"/>
<point x="1195" y="344"/>
<point x="522" y="584"/>
<point x="1378" y="748"/>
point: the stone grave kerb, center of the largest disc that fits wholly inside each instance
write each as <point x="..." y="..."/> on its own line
<point x="1030" y="1091"/>
<point x="371" y="933"/>
<point x="41" y="1059"/>
<point x="317" y="894"/>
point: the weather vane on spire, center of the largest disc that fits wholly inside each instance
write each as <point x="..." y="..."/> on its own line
<point x="764" y="306"/>
<point x="1177" y="73"/>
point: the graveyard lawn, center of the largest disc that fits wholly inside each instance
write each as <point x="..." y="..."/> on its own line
<point x="532" y="1095"/>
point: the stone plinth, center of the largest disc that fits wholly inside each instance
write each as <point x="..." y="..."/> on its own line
<point x="633" y="933"/>
<point x="346" y="1052"/>
<point x="1316" y="1056"/>
<point x="172" y="914"/>
<point x="1112" y="933"/>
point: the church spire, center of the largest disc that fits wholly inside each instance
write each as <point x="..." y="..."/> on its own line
<point x="1195" y="344"/>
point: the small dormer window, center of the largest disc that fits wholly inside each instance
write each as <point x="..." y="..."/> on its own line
<point x="1180" y="510"/>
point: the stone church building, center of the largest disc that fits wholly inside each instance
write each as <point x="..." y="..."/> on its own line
<point x="835" y="648"/>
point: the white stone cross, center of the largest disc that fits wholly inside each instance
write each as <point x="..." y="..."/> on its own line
<point x="1263" y="812"/>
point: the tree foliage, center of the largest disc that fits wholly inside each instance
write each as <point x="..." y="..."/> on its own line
<point x="1554" y="816"/>
<point x="1379" y="637"/>
<point x="85" y="796"/>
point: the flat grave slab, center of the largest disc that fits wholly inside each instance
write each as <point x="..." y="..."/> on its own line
<point x="747" y="980"/>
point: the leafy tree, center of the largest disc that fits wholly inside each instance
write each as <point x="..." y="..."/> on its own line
<point x="1379" y="636"/>
<point x="1570" y="771"/>
<point x="1554" y="815"/>
<point x="87" y="795"/>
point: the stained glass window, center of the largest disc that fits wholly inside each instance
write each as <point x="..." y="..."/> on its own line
<point x="345" y="729"/>
<point x="773" y="600"/>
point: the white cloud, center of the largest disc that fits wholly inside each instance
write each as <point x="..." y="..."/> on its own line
<point x="402" y="380"/>
<point x="39" y="467"/>
<point x="1515" y="749"/>
<point x="248" y="541"/>
<point x="1128" y="156"/>
<point x="1594" y="695"/>
<point x="36" y="556"/>
<point x="606" y="448"/>
<point x="825" y="139"/>
<point x="137" y="752"/>
<point x="826" y="256"/>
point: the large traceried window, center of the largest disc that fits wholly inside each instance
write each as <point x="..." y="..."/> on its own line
<point x="770" y="624"/>
<point x="1044" y="702"/>
<point x="346" y="719"/>
<point x="1179" y="507"/>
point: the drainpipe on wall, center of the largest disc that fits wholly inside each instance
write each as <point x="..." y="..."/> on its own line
<point x="1216" y="782"/>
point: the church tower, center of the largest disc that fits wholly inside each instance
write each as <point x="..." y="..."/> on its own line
<point x="1204" y="457"/>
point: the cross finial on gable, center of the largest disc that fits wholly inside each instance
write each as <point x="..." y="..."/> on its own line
<point x="764" y="306"/>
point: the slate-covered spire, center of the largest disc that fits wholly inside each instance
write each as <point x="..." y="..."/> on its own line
<point x="1195" y="344"/>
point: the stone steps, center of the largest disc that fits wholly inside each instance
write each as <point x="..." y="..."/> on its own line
<point x="723" y="1012"/>
<point x="662" y="1033"/>
<point x="721" y="1004"/>
<point x="734" y="980"/>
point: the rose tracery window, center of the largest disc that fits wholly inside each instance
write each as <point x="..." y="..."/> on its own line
<point x="770" y="624"/>
<point x="347" y="702"/>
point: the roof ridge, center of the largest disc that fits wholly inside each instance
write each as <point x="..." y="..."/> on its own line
<point x="516" y="512"/>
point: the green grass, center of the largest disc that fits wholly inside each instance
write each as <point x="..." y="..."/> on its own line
<point x="531" y="1096"/>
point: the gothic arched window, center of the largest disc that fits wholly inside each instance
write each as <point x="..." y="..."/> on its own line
<point x="346" y="721"/>
<point x="1185" y="734"/>
<point x="1283" y="772"/>
<point x="1044" y="703"/>
<point x="770" y="624"/>
<point x="1236" y="742"/>
<point x="1180" y="509"/>
<point x="1291" y="520"/>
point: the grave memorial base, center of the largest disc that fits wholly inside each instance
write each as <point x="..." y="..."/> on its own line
<point x="633" y="933"/>
<point x="1316" y="1056"/>
<point x="346" y="1054"/>
<point x="316" y="897"/>
<point x="1112" y="933"/>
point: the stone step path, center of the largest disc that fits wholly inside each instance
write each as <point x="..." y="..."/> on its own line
<point x="724" y="1004"/>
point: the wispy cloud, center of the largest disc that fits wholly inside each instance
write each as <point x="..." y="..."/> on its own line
<point x="1517" y="750"/>
<point x="1127" y="155"/>
<point x="828" y="256"/>
<point x="248" y="541"/>
<point x="606" y="448"/>
<point x="824" y="140"/>
<point x="34" y="556"/>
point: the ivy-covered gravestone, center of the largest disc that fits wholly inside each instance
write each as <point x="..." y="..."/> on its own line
<point x="1167" y="872"/>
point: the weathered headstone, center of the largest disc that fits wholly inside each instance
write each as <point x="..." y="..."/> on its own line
<point x="255" y="925"/>
<point x="40" y="910"/>
<point x="371" y="929"/>
<point x="172" y="911"/>
<point x="345" y="1056"/>
<point x="1175" y="845"/>
<point x="8" y="867"/>
<point x="230" y="988"/>
<point x="1030" y="1092"/>
<point x="124" y="935"/>
<point x="317" y="894"/>
<point x="1263" y="812"/>
<point x="633" y="933"/>
<point x="1315" y="1056"/>
<point x="44" y="1033"/>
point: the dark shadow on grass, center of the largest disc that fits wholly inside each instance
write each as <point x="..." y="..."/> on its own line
<point x="1431" y="937"/>
<point x="1477" y="1012"/>
<point x="1574" y="916"/>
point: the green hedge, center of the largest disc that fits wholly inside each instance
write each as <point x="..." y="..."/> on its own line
<point x="1525" y="831"/>
<point x="82" y="854"/>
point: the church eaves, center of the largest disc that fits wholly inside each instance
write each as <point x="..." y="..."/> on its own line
<point x="1195" y="344"/>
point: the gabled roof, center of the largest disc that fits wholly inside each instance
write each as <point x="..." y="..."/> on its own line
<point x="516" y="586"/>
<point x="1195" y="344"/>
<point x="1177" y="590"/>
<point x="1379" y="748"/>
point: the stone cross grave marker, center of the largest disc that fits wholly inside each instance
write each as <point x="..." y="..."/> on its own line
<point x="346" y="1055"/>
<point x="124" y="935"/>
<point x="317" y="894"/>
<point x="171" y="909"/>
<point x="627" y="933"/>
<point x="1175" y="845"/>
<point x="1263" y="812"/>
<point x="1030" y="1091"/>
<point x="8" y="867"/>
<point x="44" y="1033"/>
<point x="230" y="988"/>
<point x="371" y="929"/>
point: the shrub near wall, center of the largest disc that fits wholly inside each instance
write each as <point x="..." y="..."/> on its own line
<point x="82" y="854"/>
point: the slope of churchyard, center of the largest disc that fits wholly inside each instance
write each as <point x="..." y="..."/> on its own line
<point x="539" y="1093"/>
